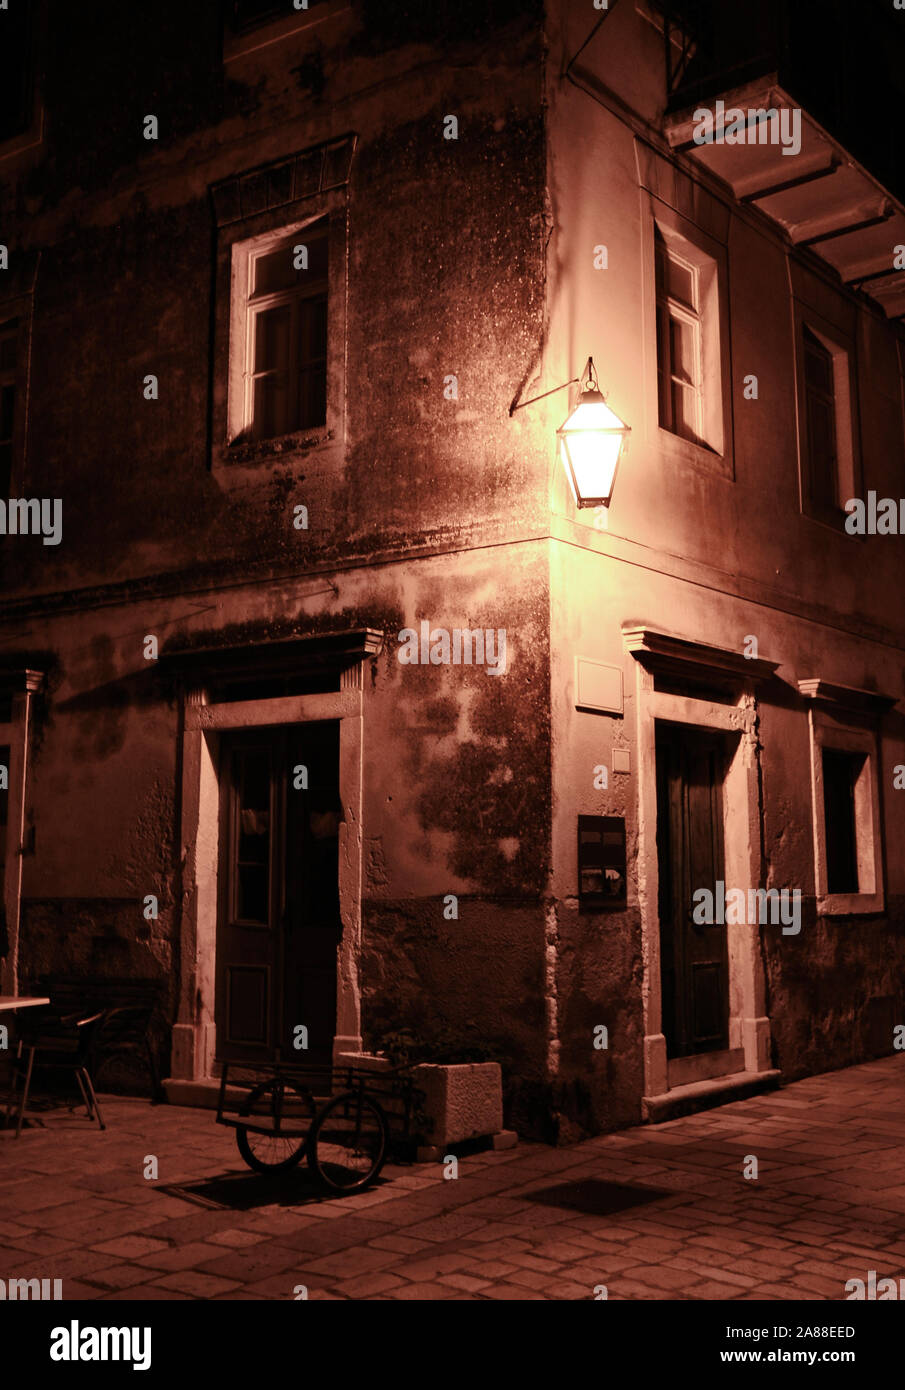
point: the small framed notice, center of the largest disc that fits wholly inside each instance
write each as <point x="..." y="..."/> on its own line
<point x="598" y="687"/>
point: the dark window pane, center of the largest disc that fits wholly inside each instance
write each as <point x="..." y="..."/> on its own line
<point x="253" y="839"/>
<point x="313" y="395"/>
<point x="682" y="350"/>
<point x="255" y="782"/>
<point x="312" y="329"/>
<point x="277" y="269"/>
<point x="820" y="413"/>
<point x="4" y="792"/>
<point x="6" y="468"/>
<point x="4" y="813"/>
<point x="818" y="364"/>
<point x="663" y="380"/>
<point x="662" y="261"/>
<point x="681" y="283"/>
<point x="679" y="366"/>
<point x="840" y="771"/>
<point x="684" y="411"/>
<point x="673" y="277"/>
<point x="823" y="473"/>
<point x="8" y="348"/>
<point x="7" y="412"/>
<point x="252" y="885"/>
<point x="272" y="339"/>
<point x="290" y="342"/>
<point x="271" y="407"/>
<point x="822" y="453"/>
<point x="15" y="68"/>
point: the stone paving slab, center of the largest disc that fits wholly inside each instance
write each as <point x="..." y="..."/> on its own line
<point x="827" y="1206"/>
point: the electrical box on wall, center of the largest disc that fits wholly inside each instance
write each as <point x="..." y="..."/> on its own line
<point x="601" y="862"/>
<point x="598" y="687"/>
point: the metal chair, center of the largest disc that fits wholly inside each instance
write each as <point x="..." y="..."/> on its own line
<point x="128" y="1034"/>
<point x="64" y="1043"/>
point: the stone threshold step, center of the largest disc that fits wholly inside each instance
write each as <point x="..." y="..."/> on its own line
<point x="202" y="1094"/>
<point x="703" y="1095"/>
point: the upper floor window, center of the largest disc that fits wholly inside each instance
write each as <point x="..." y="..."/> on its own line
<point x="9" y="335"/>
<point x="680" y="366"/>
<point x="15" y="68"/>
<point x="285" y="333"/>
<point x="820" y="405"/>
<point x="827" y="430"/>
<point x="278" y="372"/>
<point x="692" y="341"/>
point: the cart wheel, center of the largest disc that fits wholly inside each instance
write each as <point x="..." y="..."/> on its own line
<point x="347" y="1146"/>
<point x="273" y="1153"/>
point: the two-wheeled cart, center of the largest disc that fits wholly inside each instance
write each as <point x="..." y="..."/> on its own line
<point x="344" y="1120"/>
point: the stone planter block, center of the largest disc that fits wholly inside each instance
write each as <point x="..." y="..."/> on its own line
<point x="463" y="1101"/>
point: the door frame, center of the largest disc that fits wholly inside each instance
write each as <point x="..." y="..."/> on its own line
<point x="194" y="1033"/>
<point x="22" y="688"/>
<point x="749" y="1023"/>
<point x="674" y="928"/>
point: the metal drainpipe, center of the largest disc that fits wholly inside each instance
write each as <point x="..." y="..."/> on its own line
<point x="32" y="680"/>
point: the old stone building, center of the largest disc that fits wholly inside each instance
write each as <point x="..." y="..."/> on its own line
<point x="326" y="702"/>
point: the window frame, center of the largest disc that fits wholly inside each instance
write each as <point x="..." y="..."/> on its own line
<point x="670" y="307"/>
<point x="255" y="306"/>
<point x="840" y="344"/>
<point x="813" y="348"/>
<point x="9" y="377"/>
<point x="713" y="451"/>
<point x="17" y="311"/>
<point x="837" y="730"/>
<point x="31" y="135"/>
<point x="236" y="239"/>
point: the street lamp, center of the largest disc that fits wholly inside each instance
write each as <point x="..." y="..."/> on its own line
<point x="592" y="440"/>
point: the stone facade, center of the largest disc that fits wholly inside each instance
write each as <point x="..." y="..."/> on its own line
<point x="470" y="258"/>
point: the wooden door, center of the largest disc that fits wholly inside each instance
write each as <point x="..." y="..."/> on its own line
<point x="694" y="967"/>
<point x="278" y="921"/>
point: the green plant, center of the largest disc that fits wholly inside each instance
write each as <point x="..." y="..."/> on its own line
<point x="405" y="1048"/>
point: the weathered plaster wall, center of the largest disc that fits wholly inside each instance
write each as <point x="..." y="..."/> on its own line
<point x="710" y="558"/>
<point x="745" y="534"/>
<point x="455" y="781"/>
<point x="834" y="990"/>
<point x="444" y="277"/>
<point x="466" y="776"/>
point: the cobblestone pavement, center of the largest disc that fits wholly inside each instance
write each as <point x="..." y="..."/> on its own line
<point x="827" y="1206"/>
